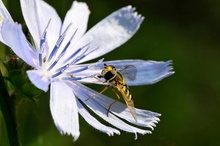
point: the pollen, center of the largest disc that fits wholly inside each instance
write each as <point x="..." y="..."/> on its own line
<point x="45" y="59"/>
<point x="72" y="76"/>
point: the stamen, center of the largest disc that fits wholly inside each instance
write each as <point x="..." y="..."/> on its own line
<point x="62" y="53"/>
<point x="83" y="55"/>
<point x="42" y="43"/>
<point x="75" y="53"/>
<point x="80" y="57"/>
<point x="72" y="79"/>
<point x="86" y="67"/>
<point x="61" y="68"/>
<point x="43" y="38"/>
<point x="67" y="45"/>
<point x="70" y="75"/>
<point x="61" y="71"/>
<point x="40" y="59"/>
<point x="52" y="65"/>
<point x="96" y="63"/>
<point x="58" y="43"/>
<point x="79" y="70"/>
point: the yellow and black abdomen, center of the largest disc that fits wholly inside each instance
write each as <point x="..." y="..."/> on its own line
<point x="127" y="92"/>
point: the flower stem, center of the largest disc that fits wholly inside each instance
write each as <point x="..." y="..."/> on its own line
<point x="8" y="112"/>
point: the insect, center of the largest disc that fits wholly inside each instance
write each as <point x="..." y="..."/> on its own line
<point x="117" y="79"/>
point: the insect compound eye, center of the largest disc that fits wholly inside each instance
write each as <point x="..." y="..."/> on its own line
<point x="108" y="75"/>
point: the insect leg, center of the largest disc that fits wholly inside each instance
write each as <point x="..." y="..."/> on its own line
<point x="103" y="90"/>
<point x="97" y="76"/>
<point x="113" y="101"/>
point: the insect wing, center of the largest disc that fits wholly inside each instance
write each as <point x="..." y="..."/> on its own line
<point x="129" y="72"/>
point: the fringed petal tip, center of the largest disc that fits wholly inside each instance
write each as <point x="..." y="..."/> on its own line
<point x="145" y="132"/>
<point x="111" y="132"/>
<point x="162" y="70"/>
<point x="74" y="134"/>
<point x="170" y="67"/>
<point x="135" y="14"/>
<point x="131" y="15"/>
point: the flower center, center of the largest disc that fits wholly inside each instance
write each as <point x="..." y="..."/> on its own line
<point x="56" y="64"/>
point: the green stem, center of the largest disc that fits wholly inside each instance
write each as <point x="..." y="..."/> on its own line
<point x="8" y="112"/>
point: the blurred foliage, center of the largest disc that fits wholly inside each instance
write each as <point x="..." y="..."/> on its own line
<point x="186" y="32"/>
<point x="18" y="85"/>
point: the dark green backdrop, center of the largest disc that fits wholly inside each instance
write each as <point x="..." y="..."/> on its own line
<point x="184" y="31"/>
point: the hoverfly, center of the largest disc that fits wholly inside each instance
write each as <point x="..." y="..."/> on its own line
<point x="117" y="79"/>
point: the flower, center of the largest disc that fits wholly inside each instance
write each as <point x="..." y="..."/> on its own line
<point x="56" y="57"/>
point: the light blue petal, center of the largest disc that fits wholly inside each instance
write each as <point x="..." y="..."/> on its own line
<point x="83" y="93"/>
<point x="145" y="118"/>
<point x="37" y="14"/>
<point x="148" y="72"/>
<point x="75" y="22"/>
<point x="38" y="79"/>
<point x="77" y="16"/>
<point x="111" y="32"/>
<point x="64" y="109"/>
<point x="14" y="37"/>
<point x="4" y="15"/>
<point x="94" y="122"/>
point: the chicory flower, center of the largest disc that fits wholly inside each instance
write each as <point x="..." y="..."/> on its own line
<point x="57" y="54"/>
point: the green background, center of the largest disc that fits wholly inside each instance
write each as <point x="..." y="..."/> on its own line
<point x="186" y="32"/>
